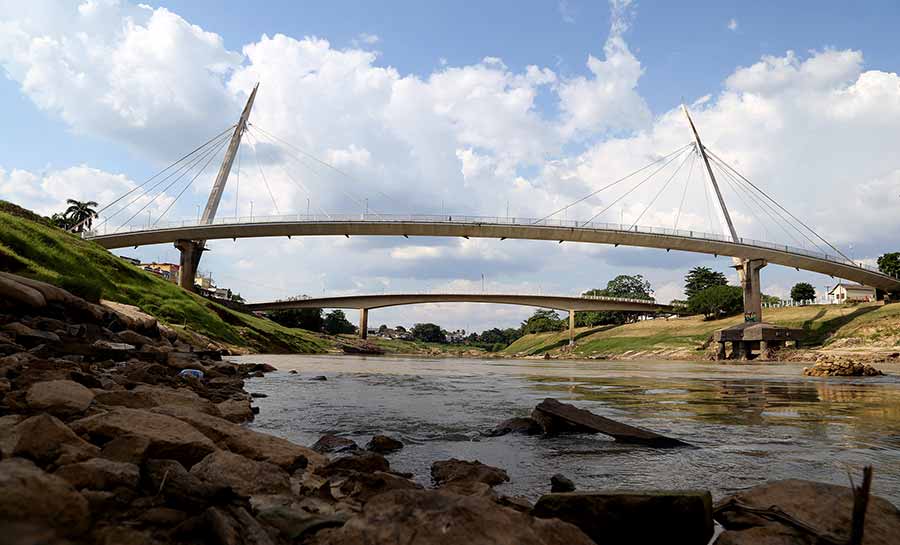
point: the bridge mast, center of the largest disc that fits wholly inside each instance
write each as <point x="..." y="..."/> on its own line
<point x="191" y="250"/>
<point x="712" y="177"/>
<point x="748" y="269"/>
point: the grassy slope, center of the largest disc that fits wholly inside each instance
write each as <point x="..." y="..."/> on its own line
<point x="396" y="346"/>
<point x="828" y="325"/>
<point x="31" y="248"/>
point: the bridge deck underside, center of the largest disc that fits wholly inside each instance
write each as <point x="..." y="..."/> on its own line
<point x="541" y="301"/>
<point x="486" y="230"/>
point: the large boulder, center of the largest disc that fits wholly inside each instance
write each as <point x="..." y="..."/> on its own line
<point x="236" y="410"/>
<point x="59" y="397"/>
<point x="100" y="474"/>
<point x="29" y="337"/>
<point x="46" y="440"/>
<point x="131" y="317"/>
<point x="245" y="476"/>
<point x="826" y="507"/>
<point x="8" y="434"/>
<point x="645" y="517"/>
<point x="383" y="444"/>
<point x="167" y="437"/>
<point x="556" y="417"/>
<point x="841" y="368"/>
<point x="31" y="496"/>
<point x="15" y="292"/>
<point x="434" y="517"/>
<point x="146" y="396"/>
<point x="453" y="470"/>
<point x="180" y="489"/>
<point x="333" y="443"/>
<point x="362" y="461"/>
<point x="249" y="443"/>
<point x="521" y="425"/>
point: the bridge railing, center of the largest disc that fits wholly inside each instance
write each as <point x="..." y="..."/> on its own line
<point x="477" y="220"/>
<point x="648" y="301"/>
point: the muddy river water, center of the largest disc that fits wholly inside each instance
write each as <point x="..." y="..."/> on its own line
<point x="749" y="423"/>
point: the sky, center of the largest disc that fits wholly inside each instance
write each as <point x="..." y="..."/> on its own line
<point x="460" y="108"/>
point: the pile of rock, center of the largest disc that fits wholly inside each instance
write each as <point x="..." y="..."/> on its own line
<point x="840" y="367"/>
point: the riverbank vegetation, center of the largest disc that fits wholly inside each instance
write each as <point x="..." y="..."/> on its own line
<point x="863" y="328"/>
<point x="32" y="247"/>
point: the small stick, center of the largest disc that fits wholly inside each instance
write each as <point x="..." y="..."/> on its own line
<point x="860" y="503"/>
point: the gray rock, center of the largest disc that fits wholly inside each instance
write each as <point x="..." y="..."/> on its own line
<point x="361" y="461"/>
<point x="523" y="425"/>
<point x="383" y="444"/>
<point x="453" y="470"/>
<point x="100" y="474"/>
<point x="561" y="483"/>
<point x="59" y="397"/>
<point x="333" y="443"/>
<point x="436" y="517"/>
<point x="46" y="440"/>
<point x="236" y="410"/>
<point x="827" y="507"/>
<point x="167" y="437"/>
<point x="32" y="496"/>
<point x="639" y="518"/>
<point x="15" y="292"/>
<point x="245" y="476"/>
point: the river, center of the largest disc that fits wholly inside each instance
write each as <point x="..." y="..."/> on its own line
<point x="749" y="423"/>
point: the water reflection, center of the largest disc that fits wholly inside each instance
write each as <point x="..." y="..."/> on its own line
<point x="751" y="423"/>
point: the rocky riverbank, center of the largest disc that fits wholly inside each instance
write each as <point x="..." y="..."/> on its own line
<point x="114" y="430"/>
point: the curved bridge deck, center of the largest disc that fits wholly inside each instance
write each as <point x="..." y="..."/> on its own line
<point x="559" y="302"/>
<point x="500" y="228"/>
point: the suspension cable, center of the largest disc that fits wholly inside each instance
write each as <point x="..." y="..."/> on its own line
<point x="304" y="189"/>
<point x="622" y="179"/>
<point x="687" y="182"/>
<point x="263" y="174"/>
<point x="781" y="207"/>
<point x="190" y="183"/>
<point x="206" y="154"/>
<point x="183" y="169"/>
<point x="663" y="188"/>
<point x="237" y="187"/>
<point x="642" y="182"/>
<point x="316" y="159"/>
<point x="148" y="180"/>
<point x="300" y="162"/>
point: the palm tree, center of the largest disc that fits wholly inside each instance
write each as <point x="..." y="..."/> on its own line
<point x="61" y="221"/>
<point x="80" y="214"/>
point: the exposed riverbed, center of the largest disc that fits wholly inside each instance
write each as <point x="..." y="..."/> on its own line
<point x="751" y="423"/>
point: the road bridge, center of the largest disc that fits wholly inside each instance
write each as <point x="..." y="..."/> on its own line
<point x="571" y="304"/>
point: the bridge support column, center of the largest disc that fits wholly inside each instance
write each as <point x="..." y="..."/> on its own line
<point x="363" y="323"/>
<point x="752" y="290"/>
<point x="571" y="327"/>
<point x="190" y="259"/>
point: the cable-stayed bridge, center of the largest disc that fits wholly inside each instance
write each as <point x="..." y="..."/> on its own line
<point x="808" y="250"/>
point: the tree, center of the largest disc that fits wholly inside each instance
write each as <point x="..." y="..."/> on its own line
<point x="890" y="264"/>
<point x="700" y="278"/>
<point x="717" y="301"/>
<point x="803" y="291"/>
<point x="771" y="299"/>
<point x="400" y="329"/>
<point x="302" y="318"/>
<point x="80" y="214"/>
<point x="61" y="221"/>
<point x="431" y="333"/>
<point x="382" y="329"/>
<point x="630" y="287"/>
<point x="336" y="323"/>
<point x="541" y="321"/>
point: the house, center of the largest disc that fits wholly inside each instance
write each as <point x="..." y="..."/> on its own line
<point x="169" y="271"/>
<point x="852" y="293"/>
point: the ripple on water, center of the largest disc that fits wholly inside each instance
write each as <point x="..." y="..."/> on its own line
<point x="749" y="424"/>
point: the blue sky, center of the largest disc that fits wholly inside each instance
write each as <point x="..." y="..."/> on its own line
<point x="787" y="84"/>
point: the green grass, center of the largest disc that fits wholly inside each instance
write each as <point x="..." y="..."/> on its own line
<point x="32" y="248"/>
<point x="866" y="325"/>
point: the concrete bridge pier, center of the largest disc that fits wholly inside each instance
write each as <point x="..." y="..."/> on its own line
<point x="571" y="327"/>
<point x="749" y="269"/>
<point x="190" y="260"/>
<point x="363" y="323"/>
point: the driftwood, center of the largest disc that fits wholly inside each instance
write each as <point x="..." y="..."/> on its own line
<point x="556" y="417"/>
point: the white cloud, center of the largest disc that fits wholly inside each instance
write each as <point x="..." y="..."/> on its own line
<point x="368" y="39"/>
<point x="815" y="130"/>
<point x="566" y="12"/>
<point x="732" y="24"/>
